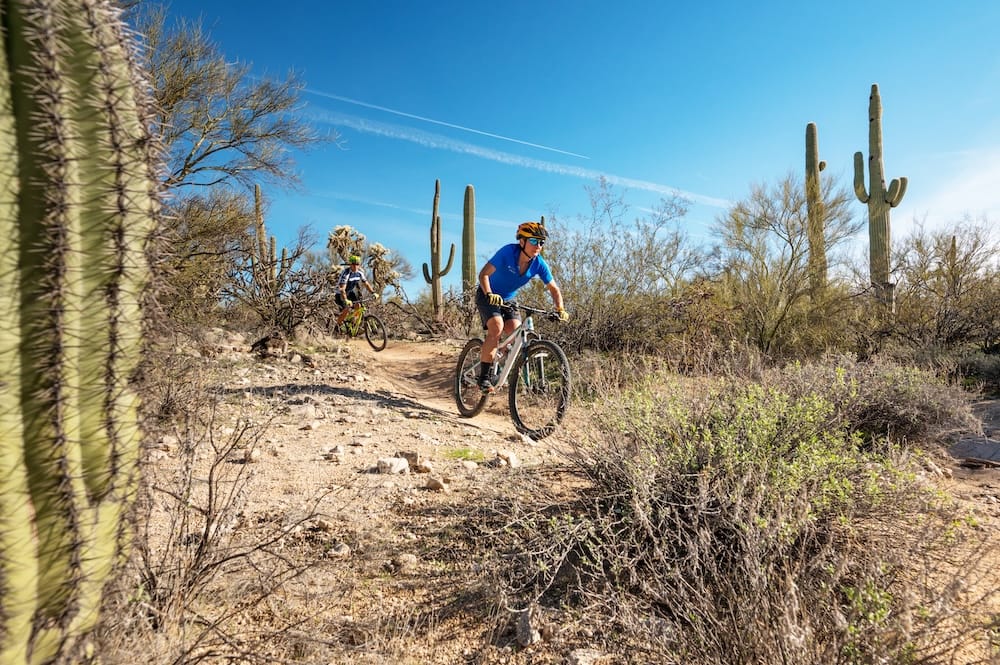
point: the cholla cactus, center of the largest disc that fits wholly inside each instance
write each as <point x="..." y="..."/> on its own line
<point x="78" y="175"/>
<point x="344" y="241"/>
<point x="381" y="265"/>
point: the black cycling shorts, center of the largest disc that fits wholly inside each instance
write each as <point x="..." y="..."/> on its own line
<point x="488" y="311"/>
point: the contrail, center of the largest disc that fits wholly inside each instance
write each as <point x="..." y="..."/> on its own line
<point x="439" y="142"/>
<point x="444" y="124"/>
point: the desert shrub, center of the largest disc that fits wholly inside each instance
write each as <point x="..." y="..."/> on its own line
<point x="203" y="565"/>
<point x="980" y="368"/>
<point x="742" y="522"/>
<point x="458" y="317"/>
<point x="880" y="399"/>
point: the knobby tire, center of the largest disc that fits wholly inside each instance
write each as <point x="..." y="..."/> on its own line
<point x="538" y="389"/>
<point x="469" y="399"/>
<point x="374" y="331"/>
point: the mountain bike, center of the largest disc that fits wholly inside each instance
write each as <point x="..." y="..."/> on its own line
<point x="359" y="320"/>
<point x="534" y="370"/>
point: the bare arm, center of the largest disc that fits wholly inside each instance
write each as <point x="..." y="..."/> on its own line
<point x="484" y="277"/>
<point x="556" y="294"/>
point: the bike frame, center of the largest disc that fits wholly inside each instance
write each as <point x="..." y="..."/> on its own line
<point x="517" y="340"/>
<point x="353" y="320"/>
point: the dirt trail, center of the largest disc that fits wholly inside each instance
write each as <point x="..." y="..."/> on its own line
<point x="424" y="371"/>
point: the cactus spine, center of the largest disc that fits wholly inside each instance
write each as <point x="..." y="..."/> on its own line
<point x="79" y="203"/>
<point x="469" y="241"/>
<point x="815" y="212"/>
<point x="879" y="200"/>
<point x="433" y="275"/>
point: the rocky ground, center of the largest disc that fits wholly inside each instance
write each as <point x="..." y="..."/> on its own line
<point x="393" y="582"/>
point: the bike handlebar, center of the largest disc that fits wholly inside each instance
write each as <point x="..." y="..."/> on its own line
<point x="548" y="313"/>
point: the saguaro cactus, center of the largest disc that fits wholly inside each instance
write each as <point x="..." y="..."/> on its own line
<point x="268" y="271"/>
<point x="814" y="212"/>
<point x="879" y="200"/>
<point x="469" y="241"/>
<point x="269" y="276"/>
<point x="433" y="275"/>
<point x="79" y="203"/>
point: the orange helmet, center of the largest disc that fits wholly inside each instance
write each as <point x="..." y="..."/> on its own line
<point x="531" y="230"/>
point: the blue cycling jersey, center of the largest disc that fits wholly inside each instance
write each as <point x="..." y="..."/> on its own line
<point x="507" y="279"/>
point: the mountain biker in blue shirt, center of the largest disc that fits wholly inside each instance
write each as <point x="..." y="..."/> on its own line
<point x="511" y="267"/>
<point x="349" y="286"/>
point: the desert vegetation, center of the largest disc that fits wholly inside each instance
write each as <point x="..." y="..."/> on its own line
<point x="755" y="478"/>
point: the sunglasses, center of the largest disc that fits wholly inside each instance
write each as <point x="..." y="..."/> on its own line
<point x="537" y="242"/>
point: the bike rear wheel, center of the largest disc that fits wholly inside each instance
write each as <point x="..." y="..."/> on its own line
<point x="469" y="398"/>
<point x="539" y="387"/>
<point x="374" y="331"/>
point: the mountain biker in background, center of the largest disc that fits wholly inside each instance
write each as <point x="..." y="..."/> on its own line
<point x="349" y="286"/>
<point x="511" y="267"/>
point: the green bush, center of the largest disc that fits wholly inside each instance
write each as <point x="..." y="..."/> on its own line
<point x="879" y="399"/>
<point x="742" y="522"/>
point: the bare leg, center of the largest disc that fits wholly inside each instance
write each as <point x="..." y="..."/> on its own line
<point x="494" y="326"/>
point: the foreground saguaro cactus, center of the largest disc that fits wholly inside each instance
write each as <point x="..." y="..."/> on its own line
<point x="879" y="200"/>
<point x="433" y="275"/>
<point x="78" y="204"/>
<point x="815" y="213"/>
<point x="469" y="273"/>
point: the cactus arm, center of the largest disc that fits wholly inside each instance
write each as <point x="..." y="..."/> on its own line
<point x="282" y="266"/>
<point x="897" y="188"/>
<point x="258" y="209"/>
<point x="451" y="258"/>
<point x="859" y="177"/>
<point x="431" y="273"/>
<point x="272" y="262"/>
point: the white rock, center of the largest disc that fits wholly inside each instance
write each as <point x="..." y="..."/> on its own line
<point x="393" y="465"/>
<point x="508" y="458"/>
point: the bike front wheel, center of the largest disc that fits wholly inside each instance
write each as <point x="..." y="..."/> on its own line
<point x="469" y="398"/>
<point x="539" y="387"/>
<point x="374" y="331"/>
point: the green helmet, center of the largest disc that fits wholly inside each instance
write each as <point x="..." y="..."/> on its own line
<point x="354" y="260"/>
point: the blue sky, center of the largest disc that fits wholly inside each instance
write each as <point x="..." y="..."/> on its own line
<point x="529" y="101"/>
